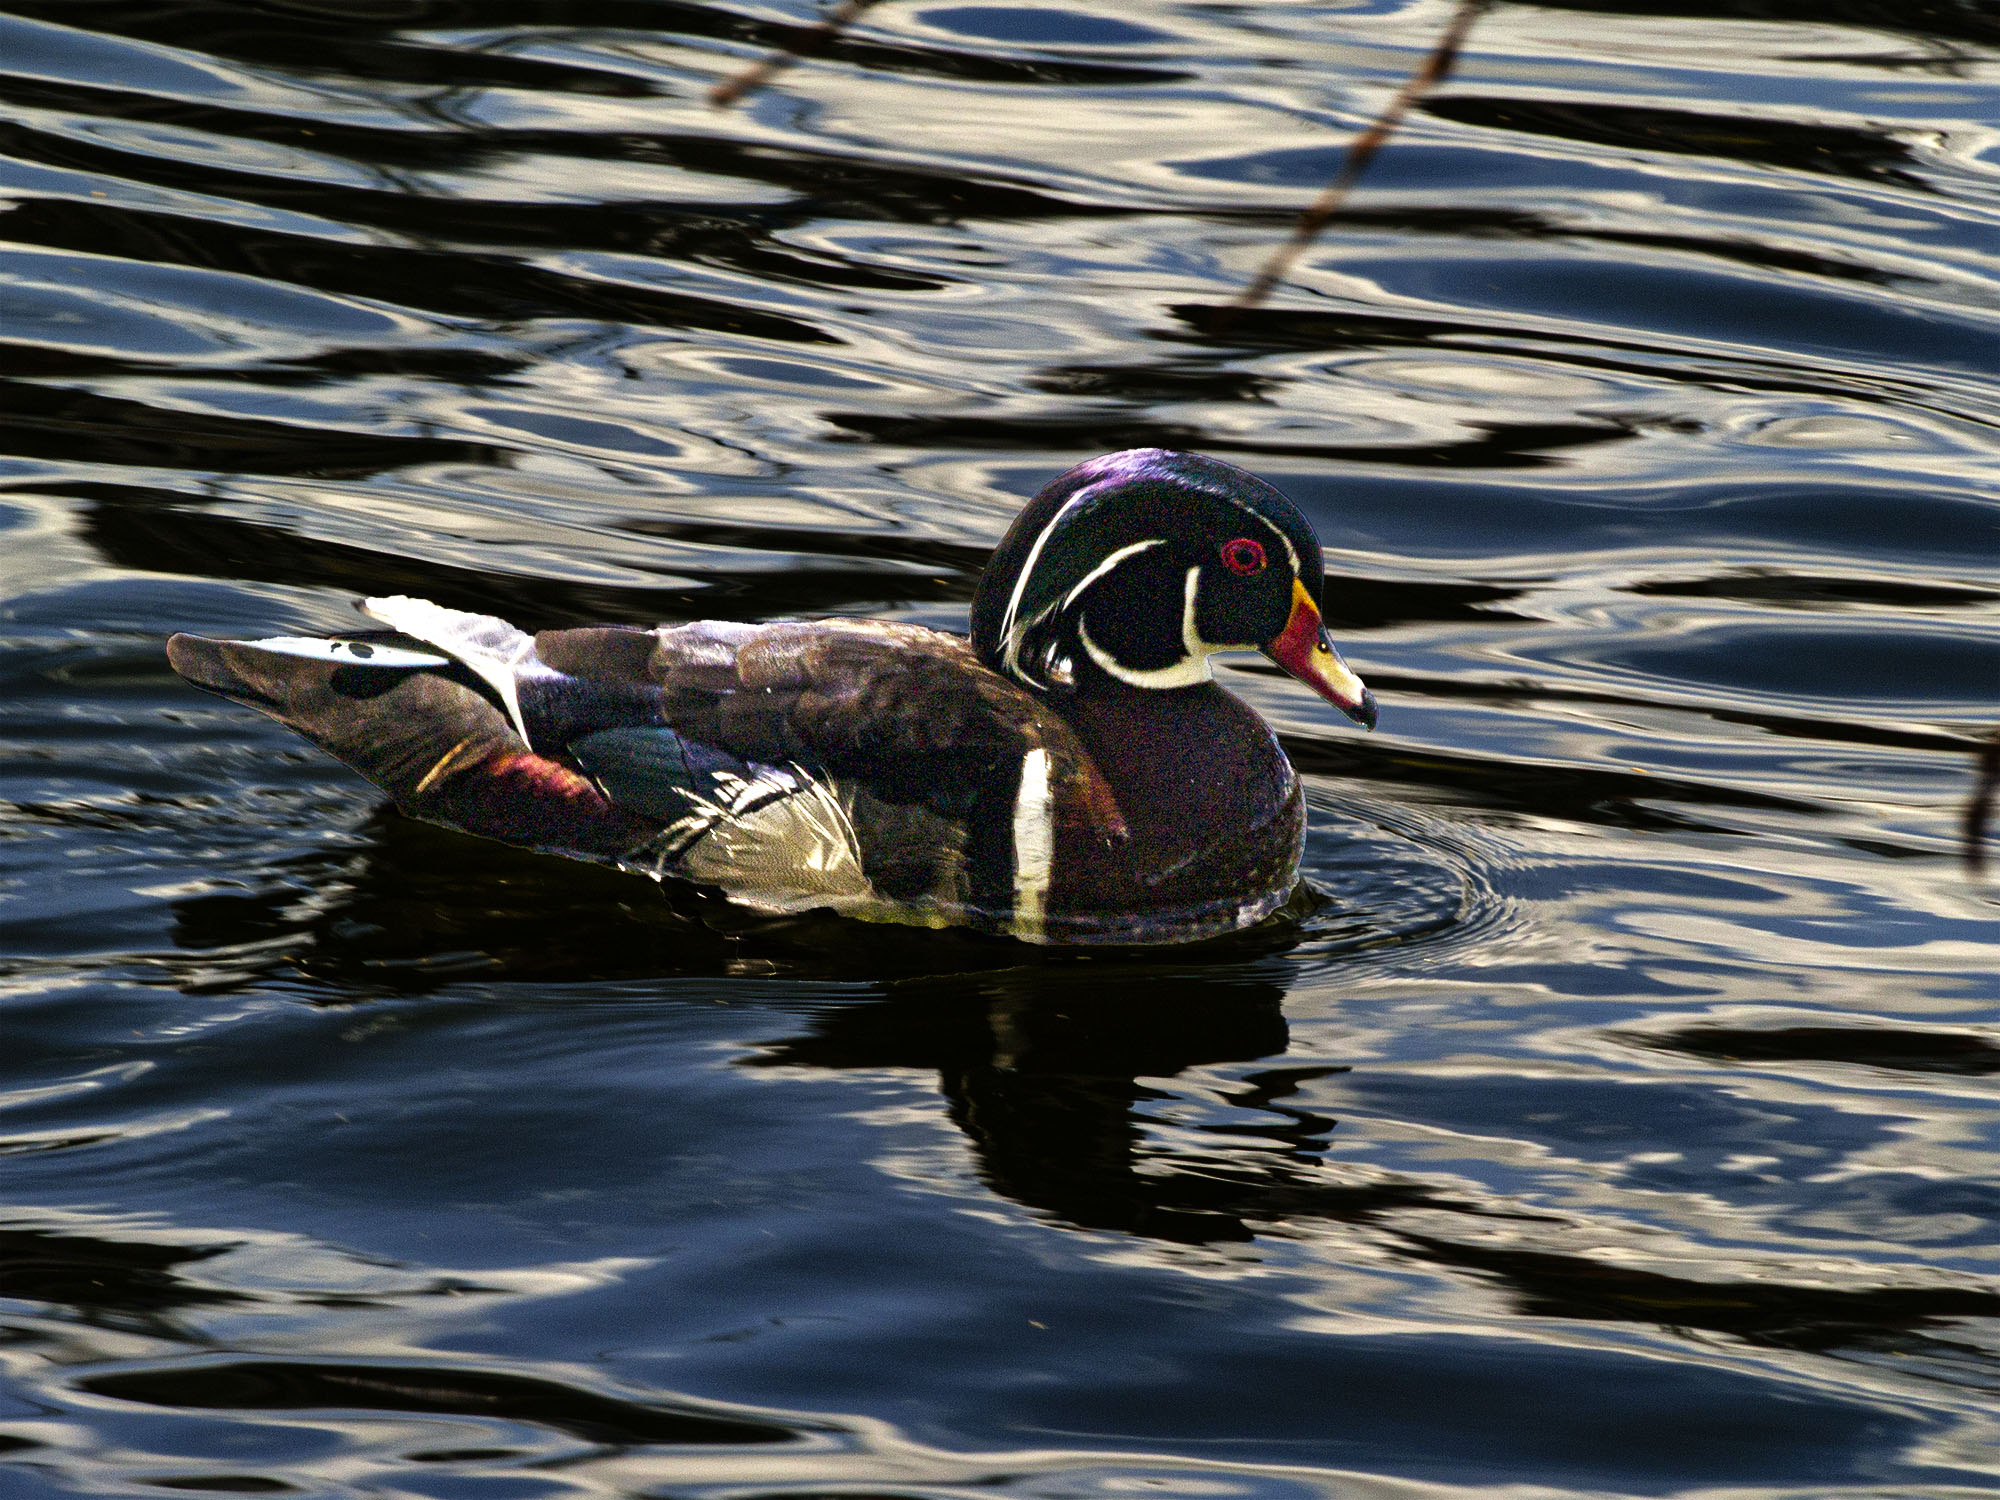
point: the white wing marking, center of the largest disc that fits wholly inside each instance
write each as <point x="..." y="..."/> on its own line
<point x="489" y="646"/>
<point x="1034" y="847"/>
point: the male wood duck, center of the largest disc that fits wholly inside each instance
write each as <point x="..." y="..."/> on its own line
<point x="1071" y="774"/>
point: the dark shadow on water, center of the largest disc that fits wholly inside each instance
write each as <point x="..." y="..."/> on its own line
<point x="1940" y="22"/>
<point x="1736" y="136"/>
<point x="359" y="39"/>
<point x="1909" y="1322"/>
<point x="365" y="39"/>
<point x="1912" y="1050"/>
<point x="130" y="1285"/>
<point x="171" y="531"/>
<point x="1497" y="445"/>
<point x="1811" y="591"/>
<point x="50" y="421"/>
<point x="430" y="1389"/>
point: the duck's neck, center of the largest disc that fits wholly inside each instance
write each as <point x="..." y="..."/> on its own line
<point x="1185" y="763"/>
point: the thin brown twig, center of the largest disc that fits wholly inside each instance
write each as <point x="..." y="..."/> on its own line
<point x="765" y="69"/>
<point x="1979" y="811"/>
<point x="1431" y="72"/>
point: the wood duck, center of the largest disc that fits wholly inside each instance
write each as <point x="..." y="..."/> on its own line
<point x="1071" y="774"/>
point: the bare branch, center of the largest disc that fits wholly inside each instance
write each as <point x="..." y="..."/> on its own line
<point x="1359" y="154"/>
<point x="810" y="44"/>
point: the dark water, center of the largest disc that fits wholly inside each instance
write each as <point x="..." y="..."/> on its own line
<point x="1626" y="1121"/>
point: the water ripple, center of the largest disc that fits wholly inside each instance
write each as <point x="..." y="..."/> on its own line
<point x="1612" y="1111"/>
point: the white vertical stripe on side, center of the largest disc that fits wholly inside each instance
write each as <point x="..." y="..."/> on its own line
<point x="1034" y="847"/>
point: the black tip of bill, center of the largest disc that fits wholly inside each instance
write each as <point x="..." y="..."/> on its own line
<point x="1363" y="713"/>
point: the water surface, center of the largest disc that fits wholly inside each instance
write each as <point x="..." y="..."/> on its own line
<point x="1622" y="1119"/>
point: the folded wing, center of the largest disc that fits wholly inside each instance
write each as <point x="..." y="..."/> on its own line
<point x="870" y="767"/>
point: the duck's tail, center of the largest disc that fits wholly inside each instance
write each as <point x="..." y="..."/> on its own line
<point x="416" y="722"/>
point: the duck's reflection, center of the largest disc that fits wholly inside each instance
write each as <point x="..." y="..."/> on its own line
<point x="1043" y="1067"/>
<point x="1069" y="1083"/>
<point x="1051" y="1061"/>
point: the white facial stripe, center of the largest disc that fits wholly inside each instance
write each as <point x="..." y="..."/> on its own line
<point x="1108" y="564"/>
<point x="1034" y="847"/>
<point x="1010" y="636"/>
<point x="1193" y="667"/>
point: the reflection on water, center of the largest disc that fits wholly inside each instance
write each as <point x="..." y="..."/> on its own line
<point x="1615" y="1115"/>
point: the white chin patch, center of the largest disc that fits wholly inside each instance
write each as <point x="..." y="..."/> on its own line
<point x="349" y="653"/>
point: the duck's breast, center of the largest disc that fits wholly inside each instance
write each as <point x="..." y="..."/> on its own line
<point x="1216" y="819"/>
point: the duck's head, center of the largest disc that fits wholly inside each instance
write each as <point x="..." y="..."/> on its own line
<point x="1139" y="566"/>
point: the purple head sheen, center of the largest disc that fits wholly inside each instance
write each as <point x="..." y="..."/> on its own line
<point x="1089" y="510"/>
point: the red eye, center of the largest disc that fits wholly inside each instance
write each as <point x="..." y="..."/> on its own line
<point x="1245" y="555"/>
